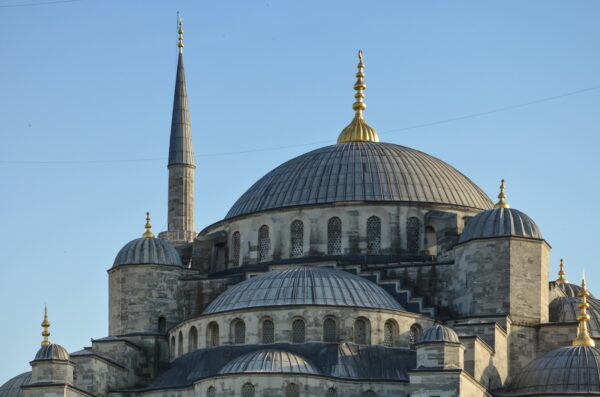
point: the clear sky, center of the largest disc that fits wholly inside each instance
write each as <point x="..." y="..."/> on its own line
<point x="86" y="89"/>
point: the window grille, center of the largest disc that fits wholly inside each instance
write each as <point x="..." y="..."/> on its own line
<point x="297" y="239"/>
<point x="292" y="390"/>
<point x="360" y="331"/>
<point x="235" y="248"/>
<point x="211" y="392"/>
<point x="213" y="335"/>
<point x="369" y="393"/>
<point x="248" y="390"/>
<point x="388" y="334"/>
<point x="298" y="331"/>
<point x="329" y="330"/>
<point x="414" y="335"/>
<point x="180" y="344"/>
<point x="331" y="392"/>
<point x="193" y="339"/>
<point x="374" y="235"/>
<point x="334" y="236"/>
<point x="264" y="243"/>
<point x="413" y="235"/>
<point x="239" y="330"/>
<point x="268" y="332"/>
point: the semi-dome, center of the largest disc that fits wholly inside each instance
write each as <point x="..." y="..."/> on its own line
<point x="304" y="286"/>
<point x="52" y="351"/>
<point x="363" y="172"/>
<point x="12" y="387"/>
<point x="439" y="333"/>
<point x="148" y="250"/>
<point x="566" y="310"/>
<point x="269" y="361"/>
<point x="564" y="371"/>
<point x="500" y="222"/>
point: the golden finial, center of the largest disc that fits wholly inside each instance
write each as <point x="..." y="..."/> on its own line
<point x="148" y="233"/>
<point x="358" y="130"/>
<point x="180" y="32"/>
<point x="45" y="326"/>
<point x="561" y="274"/>
<point x="583" y="335"/>
<point x="502" y="196"/>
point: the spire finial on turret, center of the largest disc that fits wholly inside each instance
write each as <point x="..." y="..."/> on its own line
<point x="148" y="233"/>
<point x="583" y="334"/>
<point x="561" y="274"/>
<point x="358" y="130"/>
<point x="45" y="326"/>
<point x="180" y="33"/>
<point x="502" y="197"/>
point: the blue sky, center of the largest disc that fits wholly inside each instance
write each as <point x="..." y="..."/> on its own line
<point x="86" y="93"/>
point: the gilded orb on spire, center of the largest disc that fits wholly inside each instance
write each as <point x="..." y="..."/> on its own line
<point x="358" y="130"/>
<point x="45" y="326"/>
<point x="561" y="274"/>
<point x="583" y="334"/>
<point x="148" y="233"/>
<point x="502" y="197"/>
<point x="180" y="33"/>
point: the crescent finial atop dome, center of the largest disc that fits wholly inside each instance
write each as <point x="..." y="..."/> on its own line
<point x="45" y="326"/>
<point x="180" y="32"/>
<point x="502" y="197"/>
<point x="561" y="274"/>
<point x="358" y="130"/>
<point x="148" y="233"/>
<point x="583" y="335"/>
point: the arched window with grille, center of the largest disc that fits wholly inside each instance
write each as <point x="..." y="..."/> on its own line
<point x="413" y="235"/>
<point x="211" y="392"/>
<point x="239" y="332"/>
<point x="236" y="245"/>
<point x="414" y="335"/>
<point x="329" y="330"/>
<point x="173" y="347"/>
<point x="212" y="335"/>
<point x="162" y="325"/>
<point x="292" y="390"/>
<point x="193" y="339"/>
<point x="180" y="344"/>
<point x="297" y="239"/>
<point x="248" y="390"/>
<point x="334" y="236"/>
<point x="374" y="235"/>
<point x="331" y="392"/>
<point x="264" y="243"/>
<point x="298" y="331"/>
<point x="390" y="333"/>
<point x="362" y="331"/>
<point x="268" y="331"/>
<point x="369" y="393"/>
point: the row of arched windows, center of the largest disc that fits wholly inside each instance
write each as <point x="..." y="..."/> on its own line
<point x="334" y="238"/>
<point x="291" y="390"/>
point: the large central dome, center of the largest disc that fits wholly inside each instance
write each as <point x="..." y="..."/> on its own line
<point x="364" y="172"/>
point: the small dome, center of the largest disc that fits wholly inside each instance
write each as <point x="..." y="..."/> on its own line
<point x="499" y="222"/>
<point x="52" y="352"/>
<point x="571" y="290"/>
<point x="564" y="371"/>
<point x="304" y="286"/>
<point x="566" y="310"/>
<point x="439" y="333"/>
<point x="12" y="387"/>
<point x="148" y="250"/>
<point x="270" y="361"/>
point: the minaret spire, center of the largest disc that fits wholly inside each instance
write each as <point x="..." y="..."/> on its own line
<point x="181" y="160"/>
<point x="45" y="326"/>
<point x="583" y="334"/>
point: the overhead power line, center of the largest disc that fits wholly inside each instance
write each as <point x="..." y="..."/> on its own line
<point x="40" y="3"/>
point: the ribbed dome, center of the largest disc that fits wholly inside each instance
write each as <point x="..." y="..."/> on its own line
<point x="360" y="171"/>
<point x="269" y="361"/>
<point x="12" y="387"/>
<point x="52" y="352"/>
<point x="304" y="286"/>
<point x="566" y="310"/>
<point x="564" y="371"/>
<point x="500" y="222"/>
<point x="439" y="333"/>
<point x="148" y="251"/>
<point x="571" y="290"/>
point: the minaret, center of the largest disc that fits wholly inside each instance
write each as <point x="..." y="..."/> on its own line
<point x="181" y="162"/>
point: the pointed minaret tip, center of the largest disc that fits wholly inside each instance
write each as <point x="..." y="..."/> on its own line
<point x="502" y="197"/>
<point x="180" y="33"/>
<point x="583" y="334"/>
<point x="45" y="326"/>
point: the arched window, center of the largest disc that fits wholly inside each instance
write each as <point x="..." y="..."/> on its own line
<point x="297" y="239"/>
<point x="374" y="235"/>
<point x="193" y="339"/>
<point x="173" y="346"/>
<point x="248" y="390"/>
<point x="211" y="392"/>
<point x="361" y="331"/>
<point x="430" y="240"/>
<point x="390" y="333"/>
<point x="264" y="243"/>
<point x="235" y="248"/>
<point x="334" y="236"/>
<point x="413" y="235"/>
<point x="298" y="331"/>
<point x="239" y="332"/>
<point x="414" y="335"/>
<point x="212" y="335"/>
<point x="180" y="344"/>
<point x="329" y="330"/>
<point x="331" y="392"/>
<point x="292" y="390"/>
<point x="369" y="393"/>
<point x="268" y="331"/>
<point x="162" y="325"/>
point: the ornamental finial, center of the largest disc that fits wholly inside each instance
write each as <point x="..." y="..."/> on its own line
<point x="561" y="274"/>
<point x="502" y="197"/>
<point x="45" y="326"/>
<point x="180" y="32"/>
<point x="148" y="233"/>
<point x="583" y="334"/>
<point x="358" y="130"/>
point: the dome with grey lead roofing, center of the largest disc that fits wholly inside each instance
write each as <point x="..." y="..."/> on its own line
<point x="361" y="172"/>
<point x="571" y="290"/>
<point x="12" y="387"/>
<point x="269" y="361"/>
<point x="148" y="250"/>
<point x="305" y="286"/>
<point x="500" y="222"/>
<point x="439" y="333"/>
<point x="52" y="351"/>
<point x="566" y="310"/>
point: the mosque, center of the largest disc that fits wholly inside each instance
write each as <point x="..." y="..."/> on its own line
<point x="358" y="269"/>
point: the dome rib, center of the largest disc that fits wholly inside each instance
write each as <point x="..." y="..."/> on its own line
<point x="269" y="361"/>
<point x="500" y="222"/>
<point x="439" y="333"/>
<point x="12" y="387"/>
<point x="141" y="251"/>
<point x="364" y="172"/>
